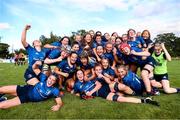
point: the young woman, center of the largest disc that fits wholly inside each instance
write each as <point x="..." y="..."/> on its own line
<point x="130" y="79"/>
<point x="147" y="38"/>
<point x="41" y="91"/>
<point x="87" y="67"/>
<point x="109" y="54"/>
<point x="143" y="60"/>
<point x="134" y="41"/>
<point x="99" y="53"/>
<point x="54" y="57"/>
<point x="107" y="70"/>
<point x="35" y="54"/>
<point x="66" y="69"/>
<point x="76" y="48"/>
<point x="87" y="44"/>
<point x="161" y="57"/>
<point x="100" y="88"/>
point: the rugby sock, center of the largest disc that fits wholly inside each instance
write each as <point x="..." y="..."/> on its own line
<point x="1" y="95"/>
<point x="142" y="100"/>
<point x="178" y="90"/>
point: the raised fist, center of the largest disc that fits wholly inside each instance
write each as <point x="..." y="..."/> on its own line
<point x="27" y="27"/>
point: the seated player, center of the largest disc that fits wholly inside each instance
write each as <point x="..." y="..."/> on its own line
<point x="41" y="91"/>
<point x="161" y="79"/>
<point x="87" y="67"/>
<point x="100" y="89"/>
<point x="131" y="79"/>
<point x="141" y="59"/>
<point x="107" y="70"/>
<point x="66" y="69"/>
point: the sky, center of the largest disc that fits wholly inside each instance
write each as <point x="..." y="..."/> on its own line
<point x="65" y="16"/>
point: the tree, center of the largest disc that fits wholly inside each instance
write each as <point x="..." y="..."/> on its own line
<point x="81" y="32"/>
<point x="171" y="41"/>
<point x="52" y="39"/>
<point x="4" y="50"/>
<point x="20" y="51"/>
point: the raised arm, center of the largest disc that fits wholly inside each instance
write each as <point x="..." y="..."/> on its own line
<point x="168" y="56"/>
<point x="50" y="61"/>
<point x="143" y="53"/>
<point x="58" y="105"/>
<point x="23" y="36"/>
<point x="50" y="46"/>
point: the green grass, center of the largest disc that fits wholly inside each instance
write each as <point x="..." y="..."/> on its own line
<point x="94" y="108"/>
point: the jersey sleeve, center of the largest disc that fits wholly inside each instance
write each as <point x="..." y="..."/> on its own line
<point x="29" y="48"/>
<point x="56" y="44"/>
<point x="61" y="64"/>
<point x="76" y="90"/>
<point x="42" y="76"/>
<point x="56" y="93"/>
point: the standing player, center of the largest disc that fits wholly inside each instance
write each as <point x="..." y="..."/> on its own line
<point x="35" y="53"/>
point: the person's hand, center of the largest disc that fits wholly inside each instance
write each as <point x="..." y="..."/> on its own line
<point x="27" y="27"/>
<point x="39" y="63"/>
<point x="106" y="75"/>
<point x="100" y="75"/>
<point x="163" y="46"/>
<point x="60" y="58"/>
<point x="133" y="52"/>
<point x="65" y="74"/>
<point x="55" y="108"/>
<point x="88" y="93"/>
<point x="98" y="59"/>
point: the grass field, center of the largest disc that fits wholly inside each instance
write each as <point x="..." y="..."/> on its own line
<point x="74" y="108"/>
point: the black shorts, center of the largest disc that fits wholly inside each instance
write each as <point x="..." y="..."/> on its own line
<point x="161" y="77"/>
<point x="103" y="91"/>
<point x="22" y="93"/>
<point x="29" y="75"/>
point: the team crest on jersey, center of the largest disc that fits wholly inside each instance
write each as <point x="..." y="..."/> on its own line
<point x="29" y="75"/>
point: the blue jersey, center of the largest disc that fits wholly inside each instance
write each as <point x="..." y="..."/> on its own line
<point x="123" y="57"/>
<point x="41" y="91"/>
<point x="80" y="87"/>
<point x="140" y="40"/>
<point x="34" y="56"/>
<point x="64" y="66"/>
<point x="134" y="82"/>
<point x="110" y="57"/>
<point x="55" y="53"/>
<point x="95" y="44"/>
<point x="109" y="71"/>
<point x="48" y="50"/>
<point x="86" y="67"/>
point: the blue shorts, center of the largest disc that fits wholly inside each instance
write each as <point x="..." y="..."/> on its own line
<point x="22" y="93"/>
<point x="103" y="91"/>
<point x="139" y="89"/>
<point x="150" y="61"/>
<point x="29" y="75"/>
<point x="161" y="77"/>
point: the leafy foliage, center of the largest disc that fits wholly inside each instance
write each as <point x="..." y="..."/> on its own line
<point x="4" y="50"/>
<point x="172" y="43"/>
